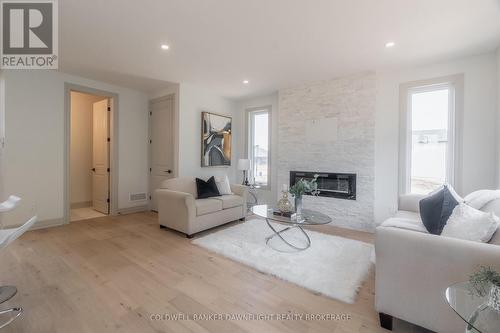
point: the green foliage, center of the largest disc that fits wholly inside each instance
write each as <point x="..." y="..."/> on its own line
<point x="481" y="280"/>
<point x="305" y="186"/>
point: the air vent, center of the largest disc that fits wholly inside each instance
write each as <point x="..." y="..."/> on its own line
<point x="137" y="196"/>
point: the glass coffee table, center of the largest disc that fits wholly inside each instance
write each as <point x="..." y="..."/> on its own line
<point x="473" y="309"/>
<point x="308" y="217"/>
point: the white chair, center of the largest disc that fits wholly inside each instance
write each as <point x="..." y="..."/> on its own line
<point x="7" y="236"/>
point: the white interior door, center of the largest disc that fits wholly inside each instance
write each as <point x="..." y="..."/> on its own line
<point x="100" y="156"/>
<point x="161" y="142"/>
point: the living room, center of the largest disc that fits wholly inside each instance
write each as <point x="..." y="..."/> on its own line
<point x="334" y="165"/>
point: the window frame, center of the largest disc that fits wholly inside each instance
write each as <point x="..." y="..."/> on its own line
<point x="249" y="112"/>
<point x="454" y="161"/>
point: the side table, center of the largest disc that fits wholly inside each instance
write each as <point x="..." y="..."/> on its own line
<point x="252" y="199"/>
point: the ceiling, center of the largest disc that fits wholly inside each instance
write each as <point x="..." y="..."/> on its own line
<point x="272" y="43"/>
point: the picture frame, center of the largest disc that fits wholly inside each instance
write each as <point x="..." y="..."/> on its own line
<point x="216" y="139"/>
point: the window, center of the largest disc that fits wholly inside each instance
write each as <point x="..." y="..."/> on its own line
<point x="429" y="124"/>
<point x="258" y="146"/>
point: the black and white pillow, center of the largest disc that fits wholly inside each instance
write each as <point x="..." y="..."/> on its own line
<point x="436" y="208"/>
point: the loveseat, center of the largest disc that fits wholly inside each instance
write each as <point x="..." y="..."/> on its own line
<point x="414" y="268"/>
<point x="181" y="210"/>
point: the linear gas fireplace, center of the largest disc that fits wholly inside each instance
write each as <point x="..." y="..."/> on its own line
<point x="335" y="185"/>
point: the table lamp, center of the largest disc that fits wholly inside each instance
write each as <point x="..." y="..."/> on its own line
<point x="244" y="165"/>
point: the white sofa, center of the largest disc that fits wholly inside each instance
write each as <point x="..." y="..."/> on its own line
<point x="179" y="208"/>
<point x="414" y="268"/>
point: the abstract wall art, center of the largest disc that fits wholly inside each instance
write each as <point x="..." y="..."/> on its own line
<point x="216" y="138"/>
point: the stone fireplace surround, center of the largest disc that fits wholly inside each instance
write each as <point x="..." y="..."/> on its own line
<point x="349" y="146"/>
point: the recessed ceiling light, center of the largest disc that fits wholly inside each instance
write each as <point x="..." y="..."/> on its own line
<point x="164" y="47"/>
<point x="389" y="44"/>
<point x="246" y="82"/>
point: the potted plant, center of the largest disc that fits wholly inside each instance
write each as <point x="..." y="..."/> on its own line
<point x="302" y="187"/>
<point x="485" y="281"/>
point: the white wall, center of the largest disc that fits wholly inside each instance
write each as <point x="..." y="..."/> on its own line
<point x="2" y="135"/>
<point x="192" y="101"/>
<point x="240" y="125"/>
<point x="498" y="117"/>
<point x="34" y="163"/>
<point x="81" y="147"/>
<point x="479" y="129"/>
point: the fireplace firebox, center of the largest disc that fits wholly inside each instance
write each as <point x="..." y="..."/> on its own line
<point x="334" y="185"/>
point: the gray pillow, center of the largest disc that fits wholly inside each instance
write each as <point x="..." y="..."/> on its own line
<point x="436" y="208"/>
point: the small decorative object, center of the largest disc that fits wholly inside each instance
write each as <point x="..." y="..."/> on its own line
<point x="284" y="205"/>
<point x="216" y="134"/>
<point x="278" y="212"/>
<point x="487" y="281"/>
<point x="244" y="165"/>
<point x="302" y="187"/>
<point x="298" y="205"/>
<point x="494" y="300"/>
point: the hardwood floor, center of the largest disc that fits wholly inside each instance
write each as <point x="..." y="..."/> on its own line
<point x="111" y="274"/>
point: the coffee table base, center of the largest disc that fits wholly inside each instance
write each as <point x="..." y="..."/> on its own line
<point x="279" y="234"/>
<point x="14" y="312"/>
<point x="7" y="292"/>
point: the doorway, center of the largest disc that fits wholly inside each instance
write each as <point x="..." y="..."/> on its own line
<point x="89" y="155"/>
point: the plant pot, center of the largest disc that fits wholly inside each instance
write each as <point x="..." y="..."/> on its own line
<point x="298" y="205"/>
<point x="494" y="298"/>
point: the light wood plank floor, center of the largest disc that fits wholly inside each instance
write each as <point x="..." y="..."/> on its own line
<point x="111" y="274"/>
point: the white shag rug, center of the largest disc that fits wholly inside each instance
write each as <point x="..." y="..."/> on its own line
<point x="333" y="266"/>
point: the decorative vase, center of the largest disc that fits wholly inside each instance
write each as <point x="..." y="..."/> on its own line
<point x="298" y="204"/>
<point x="494" y="299"/>
<point x="284" y="205"/>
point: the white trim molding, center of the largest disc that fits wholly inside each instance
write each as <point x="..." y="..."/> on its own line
<point x="113" y="154"/>
<point x="255" y="110"/>
<point x="456" y="105"/>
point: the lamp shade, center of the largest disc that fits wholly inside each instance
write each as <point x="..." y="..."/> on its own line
<point x="243" y="164"/>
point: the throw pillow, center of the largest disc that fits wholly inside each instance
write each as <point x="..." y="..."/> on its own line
<point x="471" y="224"/>
<point x="479" y="199"/>
<point x="206" y="189"/>
<point x="436" y="208"/>
<point x="223" y="185"/>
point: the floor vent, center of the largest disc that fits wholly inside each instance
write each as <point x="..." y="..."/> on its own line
<point x="137" y="196"/>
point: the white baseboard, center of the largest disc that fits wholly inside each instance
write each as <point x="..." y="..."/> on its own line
<point x="59" y="222"/>
<point x="131" y="210"/>
<point x="47" y="224"/>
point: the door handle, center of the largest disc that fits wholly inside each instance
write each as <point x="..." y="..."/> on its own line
<point x="168" y="171"/>
<point x="93" y="169"/>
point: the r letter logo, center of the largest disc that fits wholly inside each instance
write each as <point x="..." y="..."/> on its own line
<point x="29" y="34"/>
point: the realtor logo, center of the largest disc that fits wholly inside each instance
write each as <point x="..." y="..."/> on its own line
<point x="29" y="34"/>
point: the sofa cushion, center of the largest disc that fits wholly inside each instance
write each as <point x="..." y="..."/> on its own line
<point x="436" y="208"/>
<point x="405" y="223"/>
<point x="207" y="189"/>
<point x="230" y="201"/>
<point x="207" y="206"/>
<point x="409" y="215"/>
<point x="409" y="202"/>
<point x="182" y="184"/>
